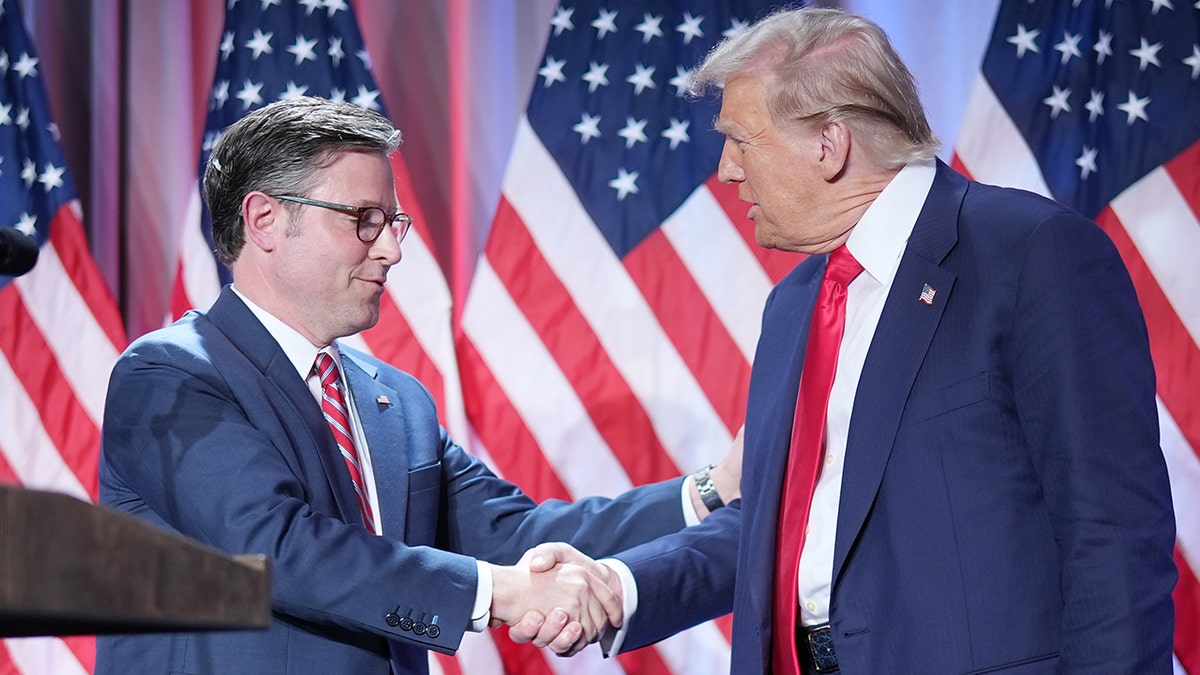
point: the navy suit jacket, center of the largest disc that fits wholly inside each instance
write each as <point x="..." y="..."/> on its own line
<point x="1004" y="506"/>
<point x="210" y="432"/>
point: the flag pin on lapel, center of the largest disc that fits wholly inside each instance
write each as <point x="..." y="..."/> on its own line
<point x="383" y="400"/>
<point x="927" y="294"/>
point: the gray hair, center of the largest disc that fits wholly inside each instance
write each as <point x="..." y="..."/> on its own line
<point x="278" y="149"/>
<point x="829" y="66"/>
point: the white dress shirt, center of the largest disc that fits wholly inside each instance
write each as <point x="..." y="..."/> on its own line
<point x="877" y="242"/>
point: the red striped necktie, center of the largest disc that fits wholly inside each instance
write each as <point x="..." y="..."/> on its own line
<point x="337" y="414"/>
<point x="804" y="457"/>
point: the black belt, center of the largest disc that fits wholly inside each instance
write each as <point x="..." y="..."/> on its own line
<point x="815" y="644"/>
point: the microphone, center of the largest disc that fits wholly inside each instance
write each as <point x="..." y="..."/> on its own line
<point x="18" y="252"/>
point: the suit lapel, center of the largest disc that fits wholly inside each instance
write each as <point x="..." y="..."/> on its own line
<point x="906" y="328"/>
<point x="244" y="330"/>
<point x="379" y="411"/>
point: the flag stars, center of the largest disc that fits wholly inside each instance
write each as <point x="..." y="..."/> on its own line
<point x="605" y="23"/>
<point x="51" y="177"/>
<point x="1095" y="105"/>
<point x="681" y="81"/>
<point x="1193" y="61"/>
<point x="26" y="66"/>
<point x="690" y="28"/>
<point x="1134" y="108"/>
<point x="633" y="132"/>
<point x="596" y="76"/>
<point x="1069" y="47"/>
<point x="366" y="98"/>
<point x="736" y="27"/>
<point x="260" y="44"/>
<point x="335" y="6"/>
<point x="1103" y="47"/>
<point x="337" y="94"/>
<point x="364" y="58"/>
<point x="3" y="61"/>
<point x="1159" y="4"/>
<point x="678" y="132"/>
<point x="1024" y="40"/>
<point x="552" y="71"/>
<point x="625" y="183"/>
<point x="5" y="114"/>
<point x="311" y="5"/>
<point x="335" y="52"/>
<point x="642" y="79"/>
<point x="23" y="118"/>
<point x="1086" y="162"/>
<point x="27" y="224"/>
<point x="292" y="91"/>
<point x="249" y="94"/>
<point x="303" y="50"/>
<point x="264" y="4"/>
<point x="588" y="128"/>
<point x="649" y="27"/>
<point x="1146" y="54"/>
<point x="227" y="45"/>
<point x="28" y="172"/>
<point x="1058" y="101"/>
<point x="562" y="20"/>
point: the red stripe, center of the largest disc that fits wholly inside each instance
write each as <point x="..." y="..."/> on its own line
<point x="690" y="322"/>
<point x="524" y="658"/>
<point x="7" y="667"/>
<point x="70" y="243"/>
<point x="84" y="649"/>
<point x="391" y="340"/>
<point x="610" y="403"/>
<point x="956" y="163"/>
<point x="1185" y="172"/>
<point x="66" y="423"/>
<point x="644" y="661"/>
<point x="1176" y="356"/>
<point x="180" y="302"/>
<point x="449" y="664"/>
<point x="508" y="440"/>
<point x="776" y="263"/>
<point x="7" y="475"/>
<point x="1187" y="616"/>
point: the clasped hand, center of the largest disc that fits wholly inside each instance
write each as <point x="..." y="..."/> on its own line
<point x="556" y="597"/>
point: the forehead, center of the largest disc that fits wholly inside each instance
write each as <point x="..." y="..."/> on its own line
<point x="744" y="106"/>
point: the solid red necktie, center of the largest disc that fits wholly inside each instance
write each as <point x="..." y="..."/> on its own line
<point x="804" y="456"/>
<point x="333" y="404"/>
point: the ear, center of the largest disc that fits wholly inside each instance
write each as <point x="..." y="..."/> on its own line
<point x="835" y="150"/>
<point x="263" y="218"/>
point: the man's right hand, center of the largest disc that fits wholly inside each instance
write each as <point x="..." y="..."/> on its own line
<point x="556" y="597"/>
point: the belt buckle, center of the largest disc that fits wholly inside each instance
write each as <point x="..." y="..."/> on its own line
<point x="819" y="642"/>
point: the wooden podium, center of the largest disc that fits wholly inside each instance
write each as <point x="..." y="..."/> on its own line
<point x="68" y="567"/>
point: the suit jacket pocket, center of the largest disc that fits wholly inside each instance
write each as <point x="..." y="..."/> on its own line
<point x="1046" y="664"/>
<point x="951" y="397"/>
<point x="424" y="503"/>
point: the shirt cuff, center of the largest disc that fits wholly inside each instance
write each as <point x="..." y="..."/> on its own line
<point x="612" y="638"/>
<point x="690" y="517"/>
<point x="481" y="614"/>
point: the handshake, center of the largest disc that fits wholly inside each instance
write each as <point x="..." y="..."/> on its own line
<point x="556" y="597"/>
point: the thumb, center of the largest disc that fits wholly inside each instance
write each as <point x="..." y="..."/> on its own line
<point x="543" y="557"/>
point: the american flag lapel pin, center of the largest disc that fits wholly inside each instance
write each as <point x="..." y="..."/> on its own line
<point x="383" y="400"/>
<point x="927" y="294"/>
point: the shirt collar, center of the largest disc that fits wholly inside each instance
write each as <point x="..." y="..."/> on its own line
<point x="295" y="346"/>
<point x="878" y="240"/>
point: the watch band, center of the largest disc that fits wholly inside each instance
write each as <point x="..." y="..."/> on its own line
<point x="708" y="491"/>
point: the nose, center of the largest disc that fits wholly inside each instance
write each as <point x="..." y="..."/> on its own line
<point x="386" y="247"/>
<point x="729" y="170"/>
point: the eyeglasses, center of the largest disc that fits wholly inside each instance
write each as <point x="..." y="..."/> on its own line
<point x="371" y="219"/>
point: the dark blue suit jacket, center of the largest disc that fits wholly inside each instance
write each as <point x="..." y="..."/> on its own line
<point x="210" y="432"/>
<point x="1005" y="505"/>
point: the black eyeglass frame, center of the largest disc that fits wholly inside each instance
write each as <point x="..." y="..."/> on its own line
<point x="360" y="212"/>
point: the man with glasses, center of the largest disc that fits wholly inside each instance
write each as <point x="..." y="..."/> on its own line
<point x="249" y="428"/>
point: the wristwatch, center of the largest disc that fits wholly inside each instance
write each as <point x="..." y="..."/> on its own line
<point x="708" y="491"/>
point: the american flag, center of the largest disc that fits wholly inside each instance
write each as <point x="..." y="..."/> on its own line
<point x="60" y="331"/>
<point x="1093" y="103"/>
<point x="608" y="331"/>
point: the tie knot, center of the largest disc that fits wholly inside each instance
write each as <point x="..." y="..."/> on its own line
<point x="841" y="267"/>
<point x="326" y="369"/>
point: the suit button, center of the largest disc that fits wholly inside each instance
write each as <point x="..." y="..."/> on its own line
<point x="419" y="628"/>
<point x="433" y="631"/>
<point x="392" y="619"/>
<point x="406" y="623"/>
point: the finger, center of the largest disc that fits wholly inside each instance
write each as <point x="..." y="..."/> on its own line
<point x="606" y="589"/>
<point x="569" y="641"/>
<point x="543" y="557"/>
<point x="554" y="624"/>
<point x="527" y="628"/>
